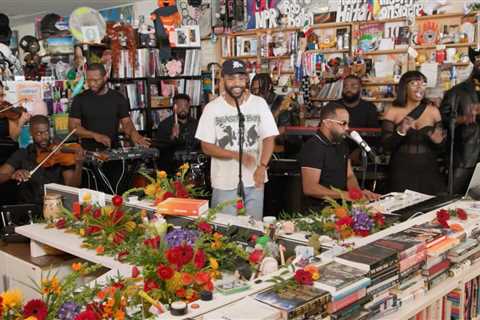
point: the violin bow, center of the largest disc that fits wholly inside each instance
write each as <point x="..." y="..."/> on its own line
<point x="53" y="151"/>
<point x="13" y="105"/>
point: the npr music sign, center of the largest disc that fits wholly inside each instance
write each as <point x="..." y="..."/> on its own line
<point x="357" y="10"/>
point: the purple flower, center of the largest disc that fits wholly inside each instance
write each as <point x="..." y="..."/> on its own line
<point x="361" y="220"/>
<point x="178" y="237"/>
<point x="68" y="311"/>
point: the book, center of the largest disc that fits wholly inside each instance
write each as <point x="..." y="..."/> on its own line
<point x="339" y="279"/>
<point x="183" y="207"/>
<point x="404" y="245"/>
<point x="463" y="248"/>
<point x="295" y="302"/>
<point x="335" y="306"/>
<point x="369" y="258"/>
<point x="245" y="309"/>
<point x="442" y="247"/>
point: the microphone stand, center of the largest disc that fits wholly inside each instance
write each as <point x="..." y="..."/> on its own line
<point x="365" y="167"/>
<point x="241" y="130"/>
<point x="453" y="122"/>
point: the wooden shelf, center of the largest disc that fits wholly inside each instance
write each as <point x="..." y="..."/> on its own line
<point x="383" y="52"/>
<point x="240" y="57"/>
<point x="278" y="57"/>
<point x="327" y="51"/>
<point x="447" y="45"/>
<point x="378" y="99"/>
<point x="374" y="82"/>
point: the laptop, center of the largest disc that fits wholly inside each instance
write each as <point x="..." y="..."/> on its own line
<point x="473" y="190"/>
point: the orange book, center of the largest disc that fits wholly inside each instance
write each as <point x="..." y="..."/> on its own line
<point x="183" y="207"/>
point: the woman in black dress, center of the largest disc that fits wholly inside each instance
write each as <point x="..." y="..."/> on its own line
<point x="412" y="134"/>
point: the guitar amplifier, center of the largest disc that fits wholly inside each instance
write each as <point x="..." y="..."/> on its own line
<point x="12" y="216"/>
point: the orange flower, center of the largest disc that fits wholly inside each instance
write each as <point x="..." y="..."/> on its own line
<point x="119" y="315"/>
<point x="100" y="250"/>
<point x="456" y="227"/>
<point x="341" y="212"/>
<point x="311" y="268"/>
<point x="187" y="279"/>
<point x="76" y="266"/>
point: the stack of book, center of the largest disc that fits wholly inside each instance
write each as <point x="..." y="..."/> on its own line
<point x="382" y="267"/>
<point x="464" y="250"/>
<point x="347" y="286"/>
<point x="294" y="303"/>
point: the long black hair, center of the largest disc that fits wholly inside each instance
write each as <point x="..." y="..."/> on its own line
<point x="265" y="85"/>
<point x="401" y="100"/>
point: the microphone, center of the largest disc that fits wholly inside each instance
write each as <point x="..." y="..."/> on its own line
<point x="355" y="136"/>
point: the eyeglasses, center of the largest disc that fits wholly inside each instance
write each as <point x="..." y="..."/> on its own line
<point x="343" y="123"/>
<point x="417" y="84"/>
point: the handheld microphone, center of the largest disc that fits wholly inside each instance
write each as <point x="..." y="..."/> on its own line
<point x="355" y="136"/>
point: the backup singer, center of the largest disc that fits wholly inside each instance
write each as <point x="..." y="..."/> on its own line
<point x="22" y="161"/>
<point x="218" y="132"/>
<point x="411" y="132"/>
<point x="11" y="128"/>
<point x="324" y="160"/>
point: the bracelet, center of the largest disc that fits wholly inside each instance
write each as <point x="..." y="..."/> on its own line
<point x="400" y="133"/>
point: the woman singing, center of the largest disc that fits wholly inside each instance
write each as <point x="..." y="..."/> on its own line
<point x="412" y="133"/>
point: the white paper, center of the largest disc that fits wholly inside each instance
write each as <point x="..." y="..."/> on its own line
<point x="384" y="68"/>
<point x="430" y="70"/>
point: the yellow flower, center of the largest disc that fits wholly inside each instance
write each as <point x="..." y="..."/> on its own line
<point x="161" y="174"/>
<point x="315" y="276"/>
<point x="81" y="232"/>
<point x="130" y="226"/>
<point x="31" y="318"/>
<point x="11" y="298"/>
<point x="185" y="166"/>
<point x="216" y="244"/>
<point x="213" y="263"/>
<point x="107" y="211"/>
<point x="87" y="197"/>
<point x="119" y="315"/>
<point x="150" y="189"/>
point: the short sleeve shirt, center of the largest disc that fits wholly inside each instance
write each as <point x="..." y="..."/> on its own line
<point x="219" y="125"/>
<point x="101" y="114"/>
<point x="319" y="153"/>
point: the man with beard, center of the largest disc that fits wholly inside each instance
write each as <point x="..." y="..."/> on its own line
<point x="19" y="165"/>
<point x="176" y="134"/>
<point x="363" y="114"/>
<point x="97" y="114"/>
<point x="324" y="160"/>
<point x="462" y="101"/>
<point x="218" y="132"/>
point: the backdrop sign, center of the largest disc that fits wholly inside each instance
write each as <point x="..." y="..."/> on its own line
<point x="266" y="19"/>
<point x="294" y="10"/>
<point x="391" y="9"/>
<point x="352" y="10"/>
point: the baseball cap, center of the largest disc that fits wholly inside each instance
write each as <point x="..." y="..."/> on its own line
<point x="233" y="66"/>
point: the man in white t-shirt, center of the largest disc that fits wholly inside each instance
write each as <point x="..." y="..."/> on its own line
<point x="218" y="132"/>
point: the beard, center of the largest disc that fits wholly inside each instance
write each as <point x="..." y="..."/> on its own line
<point x="351" y="97"/>
<point x="476" y="73"/>
<point x="230" y="92"/>
<point x="182" y="115"/>
<point x="338" y="137"/>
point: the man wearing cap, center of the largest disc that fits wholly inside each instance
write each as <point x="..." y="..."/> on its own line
<point x="464" y="101"/>
<point x="218" y="132"/>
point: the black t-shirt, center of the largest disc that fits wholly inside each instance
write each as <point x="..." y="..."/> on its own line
<point x="319" y="153"/>
<point x="363" y="115"/>
<point x="186" y="137"/>
<point x="4" y="129"/>
<point x="101" y="114"/>
<point x="32" y="190"/>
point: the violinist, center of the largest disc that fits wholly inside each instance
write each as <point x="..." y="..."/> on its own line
<point x="12" y="119"/>
<point x="23" y="161"/>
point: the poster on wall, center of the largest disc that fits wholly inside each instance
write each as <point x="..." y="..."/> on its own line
<point x="352" y="10"/>
<point x="391" y="9"/>
<point x="255" y="7"/>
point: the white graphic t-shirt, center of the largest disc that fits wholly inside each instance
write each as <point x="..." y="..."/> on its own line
<point x="219" y="125"/>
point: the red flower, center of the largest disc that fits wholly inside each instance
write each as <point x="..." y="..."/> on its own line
<point x="167" y="195"/>
<point x="1" y="306"/>
<point x="135" y="272"/>
<point x="187" y="279"/>
<point x="240" y="204"/>
<point x="35" y="308"/>
<point x="97" y="213"/>
<point x="208" y="286"/>
<point x="202" y="278"/>
<point x="119" y="237"/>
<point x="181" y="293"/>
<point x="379" y="218"/>
<point x="303" y="277"/>
<point x="256" y="256"/>
<point x="362" y="233"/>
<point x="61" y="223"/>
<point x="355" y="194"/>
<point x="164" y="272"/>
<point x="344" y="221"/>
<point x="122" y="255"/>
<point x="180" y="255"/>
<point x="461" y="214"/>
<point x="93" y="229"/>
<point x="152" y="242"/>
<point x="76" y="208"/>
<point x="205" y="227"/>
<point x="149" y="285"/>
<point x="442" y="217"/>
<point x="117" y="216"/>
<point x="88" y="208"/>
<point x="199" y="259"/>
<point x="180" y="191"/>
<point x="87" y="315"/>
<point x="117" y="200"/>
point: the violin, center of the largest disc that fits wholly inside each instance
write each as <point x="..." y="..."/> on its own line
<point x="65" y="156"/>
<point x="10" y="112"/>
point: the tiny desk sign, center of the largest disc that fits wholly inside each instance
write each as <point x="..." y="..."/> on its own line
<point x="361" y="10"/>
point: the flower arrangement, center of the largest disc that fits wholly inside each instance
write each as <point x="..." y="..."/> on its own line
<point x="55" y="295"/>
<point x="163" y="187"/>
<point x="301" y="277"/>
<point x="444" y="215"/>
<point x="343" y="220"/>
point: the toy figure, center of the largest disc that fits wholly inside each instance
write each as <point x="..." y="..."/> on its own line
<point x="166" y="17"/>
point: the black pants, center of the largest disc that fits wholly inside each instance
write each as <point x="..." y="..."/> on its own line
<point x="461" y="179"/>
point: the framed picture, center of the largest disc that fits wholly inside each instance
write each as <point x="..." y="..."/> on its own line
<point x="181" y="37"/>
<point x="193" y="35"/>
